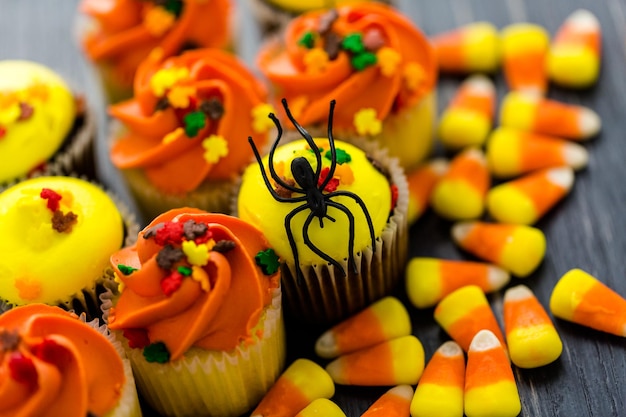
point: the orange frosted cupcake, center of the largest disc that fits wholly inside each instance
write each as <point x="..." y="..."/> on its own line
<point x="182" y="140"/>
<point x="118" y="34"/>
<point x="200" y="313"/>
<point x="373" y="61"/>
<point x="53" y="364"/>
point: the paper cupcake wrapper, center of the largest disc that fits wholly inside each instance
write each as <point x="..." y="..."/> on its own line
<point x="215" y="383"/>
<point x="128" y="405"/>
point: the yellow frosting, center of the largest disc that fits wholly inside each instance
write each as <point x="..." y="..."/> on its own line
<point x="42" y="264"/>
<point x="257" y="206"/>
<point x="300" y="6"/>
<point x="37" y="110"/>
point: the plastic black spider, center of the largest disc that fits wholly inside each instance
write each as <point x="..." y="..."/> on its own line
<point x="313" y="196"/>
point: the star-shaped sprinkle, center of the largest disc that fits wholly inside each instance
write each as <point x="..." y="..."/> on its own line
<point x="196" y="254"/>
<point x="261" y="123"/>
<point x="156" y="352"/>
<point x="125" y="269"/>
<point x="268" y="261"/>
<point x="194" y="121"/>
<point x="165" y="78"/>
<point x="215" y="148"/>
<point x="307" y="40"/>
<point x="388" y="60"/>
<point x="340" y="155"/>
<point x="316" y="61"/>
<point x="366" y="123"/>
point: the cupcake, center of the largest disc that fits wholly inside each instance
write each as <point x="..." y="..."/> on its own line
<point x="53" y="364"/>
<point x="336" y="216"/>
<point x="117" y="35"/>
<point x="58" y="234"/>
<point x="373" y="61"/>
<point x="44" y="126"/>
<point x="181" y="141"/>
<point x="199" y="314"/>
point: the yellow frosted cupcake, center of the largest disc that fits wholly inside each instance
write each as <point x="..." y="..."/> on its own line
<point x="57" y="236"/>
<point x="52" y="364"/>
<point x="199" y="313"/>
<point x="44" y="127"/>
<point x="336" y="216"/>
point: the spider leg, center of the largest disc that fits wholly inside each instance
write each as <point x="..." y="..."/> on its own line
<point x="326" y="216"/>
<point x="270" y="157"/>
<point x="292" y="242"/>
<point x="360" y="202"/>
<point x="350" y="217"/>
<point x="307" y="136"/>
<point x="315" y="249"/>
<point x="331" y="144"/>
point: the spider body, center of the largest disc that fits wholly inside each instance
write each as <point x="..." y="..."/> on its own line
<point x="310" y="191"/>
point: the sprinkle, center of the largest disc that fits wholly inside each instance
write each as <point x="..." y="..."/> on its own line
<point x="282" y="191"/>
<point x="340" y="155"/>
<point x="137" y="338"/>
<point x="172" y="136"/>
<point x="326" y="21"/>
<point x="388" y="60"/>
<point x="9" y="340"/>
<point x="363" y="60"/>
<point x="196" y="254"/>
<point x="168" y="233"/>
<point x="213" y="108"/>
<point x="224" y="246"/>
<point x="199" y="275"/>
<point x="307" y="40"/>
<point x="353" y="43"/>
<point x="3" y="132"/>
<point x="345" y="174"/>
<point x="53" y="198"/>
<point x="175" y="7"/>
<point x="184" y="270"/>
<point x="261" y="123"/>
<point x="192" y="229"/>
<point x="39" y="91"/>
<point x="366" y="122"/>
<point x="268" y="261"/>
<point x="125" y="269"/>
<point x="171" y="283"/>
<point x="332" y="45"/>
<point x="52" y="352"/>
<point x="413" y="76"/>
<point x="166" y="78"/>
<point x="178" y="96"/>
<point x="26" y="111"/>
<point x="168" y="256"/>
<point x="156" y="352"/>
<point x="63" y="223"/>
<point x="373" y="39"/>
<point x="10" y="114"/>
<point x="194" y="121"/>
<point x="215" y="147"/>
<point x="316" y="61"/>
<point x="22" y="369"/>
<point x="158" y="20"/>
<point x="332" y="184"/>
<point x="162" y="104"/>
<point x="151" y="232"/>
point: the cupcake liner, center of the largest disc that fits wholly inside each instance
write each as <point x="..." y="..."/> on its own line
<point x="214" y="383"/>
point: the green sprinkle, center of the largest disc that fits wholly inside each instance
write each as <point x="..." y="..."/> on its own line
<point x="307" y="40"/>
<point x="353" y="43"/>
<point x="184" y="270"/>
<point x="156" y="352"/>
<point x="342" y="156"/>
<point x="268" y="261"/>
<point x="175" y="7"/>
<point x="363" y="60"/>
<point x="194" y="121"/>
<point x="125" y="269"/>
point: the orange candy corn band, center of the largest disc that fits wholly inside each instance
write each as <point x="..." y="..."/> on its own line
<point x="393" y="403"/>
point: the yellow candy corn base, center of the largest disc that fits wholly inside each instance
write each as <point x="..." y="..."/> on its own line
<point x="497" y="399"/>
<point x="446" y="400"/>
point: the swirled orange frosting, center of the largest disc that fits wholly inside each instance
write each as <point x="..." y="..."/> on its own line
<point x="126" y="31"/>
<point x="52" y="364"/>
<point x="368" y="57"/>
<point x="193" y="279"/>
<point x="190" y="119"/>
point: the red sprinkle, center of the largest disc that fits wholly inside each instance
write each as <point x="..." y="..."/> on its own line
<point x="171" y="283"/>
<point x="332" y="184"/>
<point x="22" y="369"/>
<point x="170" y="234"/>
<point x="137" y="338"/>
<point x="53" y="198"/>
<point x="52" y="352"/>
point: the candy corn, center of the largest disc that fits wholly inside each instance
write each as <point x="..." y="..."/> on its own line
<point x="574" y="56"/>
<point x="421" y="182"/>
<point x="440" y="389"/>
<point x="548" y="117"/>
<point x="526" y="199"/>
<point x="490" y="388"/>
<point x="468" y="118"/>
<point x="531" y="337"/>
<point x="524" y="51"/>
<point x="321" y="407"/>
<point x="428" y="280"/>
<point x="460" y="193"/>
<point x="517" y="248"/>
<point x="581" y="298"/>
<point x="463" y="313"/>
<point x="301" y="383"/>
<point x="395" y="362"/>
<point x="384" y="320"/>
<point x="393" y="403"/>
<point x="471" y="48"/>
<point x="512" y="152"/>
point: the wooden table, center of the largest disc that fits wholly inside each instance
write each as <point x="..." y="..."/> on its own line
<point x="587" y="230"/>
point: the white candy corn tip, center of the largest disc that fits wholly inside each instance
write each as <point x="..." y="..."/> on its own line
<point x="480" y="84"/>
<point x="562" y="176"/>
<point x="589" y="123"/>
<point x="497" y="277"/>
<point x="477" y="154"/>
<point x="576" y="156"/>
<point x="484" y="340"/>
<point x="461" y="230"/>
<point x="450" y="349"/>
<point x="402" y="391"/>
<point x="439" y="165"/>
<point x="519" y="292"/>
<point x="584" y="20"/>
<point x="326" y="345"/>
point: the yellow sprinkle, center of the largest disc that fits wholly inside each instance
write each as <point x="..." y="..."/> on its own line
<point x="215" y="147"/>
<point x="388" y="59"/>
<point x="158" y="21"/>
<point x="199" y="274"/>
<point x="413" y="76"/>
<point x="316" y="61"/>
<point x="38" y="91"/>
<point x="196" y="254"/>
<point x="156" y="54"/>
<point x="166" y="78"/>
<point x="120" y="283"/>
<point x="179" y="96"/>
<point x="172" y="136"/>
<point x="261" y="123"/>
<point x="366" y="123"/>
<point x="10" y="114"/>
